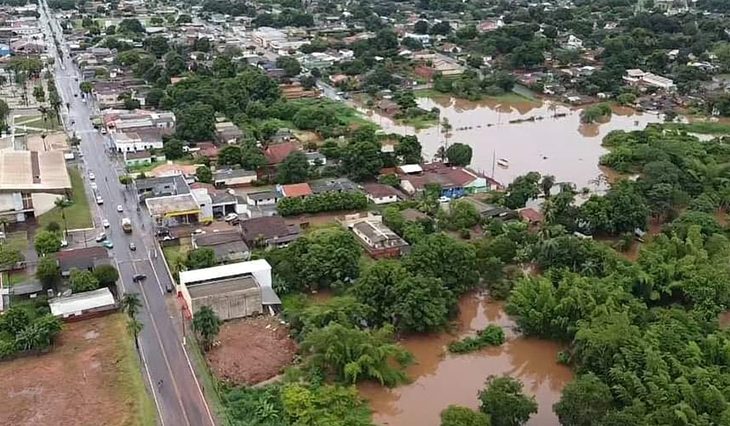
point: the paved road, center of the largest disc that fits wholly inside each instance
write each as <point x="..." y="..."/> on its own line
<point x="179" y="398"/>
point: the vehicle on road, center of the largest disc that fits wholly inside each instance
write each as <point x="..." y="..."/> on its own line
<point x="93" y="186"/>
<point x="101" y="237"/>
<point x="230" y="216"/>
<point x="139" y="277"/>
<point x="105" y="223"/>
<point x="126" y="225"/>
<point x="99" y="200"/>
<point x="120" y="208"/>
<point x="92" y="176"/>
<point x="108" y="244"/>
<point x="198" y="232"/>
<point x="132" y="247"/>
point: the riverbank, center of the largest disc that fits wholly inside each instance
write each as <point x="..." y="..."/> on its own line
<point x="439" y="379"/>
<point x="506" y="97"/>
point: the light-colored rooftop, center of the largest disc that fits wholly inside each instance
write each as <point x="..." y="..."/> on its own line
<point x="172" y="205"/>
<point x="224" y="271"/>
<point x="78" y="303"/>
<point x="31" y="171"/>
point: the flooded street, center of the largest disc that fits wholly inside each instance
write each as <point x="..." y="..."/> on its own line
<point x="531" y="135"/>
<point x="439" y="379"/>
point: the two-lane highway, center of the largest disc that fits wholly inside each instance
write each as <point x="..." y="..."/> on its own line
<point x="167" y="368"/>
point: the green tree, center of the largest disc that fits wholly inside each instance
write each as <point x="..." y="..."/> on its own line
<point x="352" y="355"/>
<point x="522" y="189"/>
<point x="82" y="280"/>
<point x="409" y="149"/>
<point x="462" y="215"/>
<point x="440" y="256"/>
<point x="154" y="97"/>
<point x="173" y="148"/>
<point x="204" y="174"/>
<point x="290" y="65"/>
<point x="505" y="404"/>
<point x="86" y="87"/>
<point x="134" y="326"/>
<point x="131" y="304"/>
<point x="106" y="274"/>
<point x="461" y="416"/>
<point x="229" y="155"/>
<point x="410" y="303"/>
<point x="39" y="94"/>
<point x="9" y="256"/>
<point x="47" y="271"/>
<point x="201" y="258"/>
<point x="252" y="158"/>
<point x="130" y="25"/>
<point x="47" y="242"/>
<point x="583" y="401"/>
<point x="206" y="325"/>
<point x="362" y="160"/>
<point x="195" y="122"/>
<point x="459" y="154"/>
<point x="294" y="169"/>
<point x="62" y="204"/>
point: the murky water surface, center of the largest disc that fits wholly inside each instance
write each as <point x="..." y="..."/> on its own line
<point x="440" y="379"/>
<point x="531" y="135"/>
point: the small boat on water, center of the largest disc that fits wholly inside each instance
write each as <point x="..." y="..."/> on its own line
<point x="503" y="163"/>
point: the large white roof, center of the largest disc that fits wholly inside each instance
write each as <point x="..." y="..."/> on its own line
<point x="80" y="302"/>
<point x="224" y="271"/>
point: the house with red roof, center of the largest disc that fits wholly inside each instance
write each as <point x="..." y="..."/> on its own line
<point x="276" y="154"/>
<point x="295" y="190"/>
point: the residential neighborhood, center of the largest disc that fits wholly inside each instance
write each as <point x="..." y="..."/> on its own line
<point x="373" y="212"/>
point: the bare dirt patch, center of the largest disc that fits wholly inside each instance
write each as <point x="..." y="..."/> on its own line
<point x="90" y="377"/>
<point x="251" y="350"/>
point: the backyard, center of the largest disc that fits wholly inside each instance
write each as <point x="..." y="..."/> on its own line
<point x="78" y="215"/>
<point x="36" y="124"/>
<point x="91" y="376"/>
<point x="19" y="241"/>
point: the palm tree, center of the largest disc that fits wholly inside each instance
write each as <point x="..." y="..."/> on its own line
<point x="134" y="326"/>
<point x="62" y="203"/>
<point x="44" y="112"/>
<point x="131" y="304"/>
<point x="547" y="183"/>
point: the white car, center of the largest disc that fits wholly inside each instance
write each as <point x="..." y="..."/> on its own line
<point x="105" y="223"/>
<point x="93" y="186"/>
<point x="198" y="232"/>
<point x="230" y="216"/>
<point x="99" y="200"/>
<point x="120" y="208"/>
<point x="92" y="176"/>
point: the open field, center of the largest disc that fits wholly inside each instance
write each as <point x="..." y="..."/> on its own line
<point x="37" y="122"/>
<point x="251" y="350"/>
<point x="78" y="215"/>
<point x="91" y="376"/>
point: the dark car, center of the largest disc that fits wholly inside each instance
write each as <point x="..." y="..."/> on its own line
<point x="139" y="277"/>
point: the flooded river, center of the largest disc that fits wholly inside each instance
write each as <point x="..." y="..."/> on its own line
<point x="556" y="142"/>
<point x="440" y="379"/>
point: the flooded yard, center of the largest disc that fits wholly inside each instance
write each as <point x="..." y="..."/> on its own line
<point x="538" y="136"/>
<point x="439" y="379"/>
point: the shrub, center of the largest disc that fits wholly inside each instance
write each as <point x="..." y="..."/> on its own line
<point x="493" y="335"/>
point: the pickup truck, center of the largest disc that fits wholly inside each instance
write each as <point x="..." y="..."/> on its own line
<point x="127" y="225"/>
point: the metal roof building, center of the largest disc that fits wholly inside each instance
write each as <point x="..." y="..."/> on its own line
<point x="83" y="304"/>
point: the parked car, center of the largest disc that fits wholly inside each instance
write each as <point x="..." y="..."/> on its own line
<point x="108" y="244"/>
<point x="93" y="186"/>
<point x="139" y="277"/>
<point x="92" y="176"/>
<point x="99" y="200"/>
<point x="132" y="247"/>
<point x="105" y="223"/>
<point x="101" y="237"/>
<point x="230" y="216"/>
<point x="120" y="208"/>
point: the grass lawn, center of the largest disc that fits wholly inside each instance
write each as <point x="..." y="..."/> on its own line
<point x="15" y="278"/>
<point x="18" y="240"/>
<point x="78" y="215"/>
<point x="50" y="124"/>
<point x="420" y="122"/>
<point x="175" y="256"/>
<point x="702" y="127"/>
<point x="208" y="382"/>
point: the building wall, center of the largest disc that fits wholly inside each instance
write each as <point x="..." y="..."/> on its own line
<point x="383" y="200"/>
<point x="238" y="304"/>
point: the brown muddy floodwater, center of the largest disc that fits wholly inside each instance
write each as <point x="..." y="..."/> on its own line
<point x="439" y="379"/>
<point x="556" y="142"/>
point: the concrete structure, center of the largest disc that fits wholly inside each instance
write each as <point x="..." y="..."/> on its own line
<point x="83" y="305"/>
<point x="233" y="291"/>
<point x="141" y="140"/>
<point x="227" y="132"/>
<point x="174" y="209"/>
<point x="639" y="77"/>
<point x="160" y="187"/>
<point x="140" y="158"/>
<point x="455" y="182"/>
<point x="233" y="177"/>
<point x="262" y="198"/>
<point x="380" y="194"/>
<point x="379" y="240"/>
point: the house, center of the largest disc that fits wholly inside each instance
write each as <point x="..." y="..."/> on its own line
<point x="139" y="140"/>
<point x="316" y="159"/>
<point x="174" y="210"/>
<point x="227" y="132"/>
<point x="139" y="158"/>
<point x="223" y="203"/>
<point x="639" y="77"/>
<point x="294" y="190"/>
<point x="277" y="153"/>
<point x="233" y="177"/>
<point x="531" y="216"/>
<point x="491" y="211"/>
<point x="455" y="182"/>
<point x="379" y="240"/>
<point x="269" y="231"/>
<point x="232" y="291"/>
<point x="333" y="185"/>
<point x="86" y="258"/>
<point x="379" y="194"/>
<point x="387" y="106"/>
<point x="262" y="198"/>
<point x="228" y="246"/>
<point x="573" y="43"/>
<point x="160" y="187"/>
<point x="88" y="304"/>
<point x="207" y="150"/>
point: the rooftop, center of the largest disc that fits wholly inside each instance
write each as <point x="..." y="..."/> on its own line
<point x="172" y="205"/>
<point x="276" y="153"/>
<point x="31" y="171"/>
<point x="222" y="286"/>
<point x="223" y="271"/>
<point x="296" y="190"/>
<point x="376" y="231"/>
<point x="77" y="303"/>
